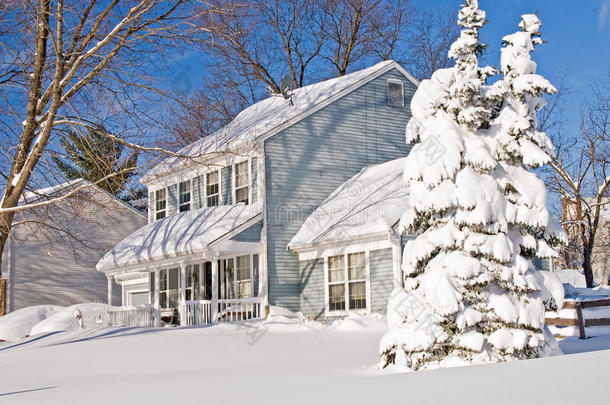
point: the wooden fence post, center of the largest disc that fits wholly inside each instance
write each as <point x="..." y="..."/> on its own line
<point x="580" y="320"/>
<point x="2" y="296"/>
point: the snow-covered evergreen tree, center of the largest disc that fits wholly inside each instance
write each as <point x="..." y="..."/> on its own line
<point x="519" y="145"/>
<point x="470" y="292"/>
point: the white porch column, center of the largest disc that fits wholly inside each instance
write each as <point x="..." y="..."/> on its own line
<point x="182" y="292"/>
<point x="182" y="283"/>
<point x="264" y="269"/>
<point x="109" y="278"/>
<point x="156" y="299"/>
<point x="214" y="288"/>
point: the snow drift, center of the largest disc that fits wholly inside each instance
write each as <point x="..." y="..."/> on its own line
<point x="18" y="324"/>
<point x="51" y="318"/>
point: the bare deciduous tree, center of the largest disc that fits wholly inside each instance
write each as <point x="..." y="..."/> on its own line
<point x="356" y="29"/>
<point x="264" y="39"/>
<point x="431" y="35"/>
<point x="580" y="174"/>
<point x="64" y="63"/>
<point x="252" y="45"/>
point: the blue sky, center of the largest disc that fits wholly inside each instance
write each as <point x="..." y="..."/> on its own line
<point x="578" y="35"/>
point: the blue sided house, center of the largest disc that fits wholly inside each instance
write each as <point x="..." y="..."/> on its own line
<point x="295" y="204"/>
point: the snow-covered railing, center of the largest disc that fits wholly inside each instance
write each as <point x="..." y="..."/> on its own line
<point x="240" y="309"/>
<point x="580" y="313"/>
<point x="196" y="313"/>
<point x="134" y="316"/>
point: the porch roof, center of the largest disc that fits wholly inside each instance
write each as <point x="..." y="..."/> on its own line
<point x="370" y="202"/>
<point x="179" y="235"/>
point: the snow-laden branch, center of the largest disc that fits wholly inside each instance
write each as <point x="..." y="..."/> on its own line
<point x="54" y="200"/>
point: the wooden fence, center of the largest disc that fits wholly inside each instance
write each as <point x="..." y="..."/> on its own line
<point x="579" y="320"/>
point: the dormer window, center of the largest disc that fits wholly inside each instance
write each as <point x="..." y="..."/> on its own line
<point x="396" y="93"/>
<point x="160" y="203"/>
<point x="185" y="196"/>
<point x="212" y="188"/>
<point x="241" y="183"/>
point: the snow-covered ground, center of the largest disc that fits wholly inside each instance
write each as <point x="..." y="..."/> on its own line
<point x="277" y="363"/>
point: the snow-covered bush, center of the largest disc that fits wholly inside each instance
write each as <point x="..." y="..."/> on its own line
<point x="39" y="319"/>
<point x="18" y="324"/>
<point x="75" y="317"/>
<point x="471" y="294"/>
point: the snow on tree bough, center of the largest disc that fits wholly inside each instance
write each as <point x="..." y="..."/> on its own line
<point x="471" y="293"/>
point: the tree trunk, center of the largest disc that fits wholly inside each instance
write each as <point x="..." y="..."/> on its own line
<point x="3" y="239"/>
<point x="2" y="297"/>
<point x="587" y="264"/>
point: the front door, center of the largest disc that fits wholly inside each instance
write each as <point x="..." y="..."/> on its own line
<point x="207" y="280"/>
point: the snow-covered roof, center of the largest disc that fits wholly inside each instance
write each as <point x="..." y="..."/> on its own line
<point x="58" y="190"/>
<point x="46" y="192"/>
<point x="180" y="234"/>
<point x="273" y="114"/>
<point x="370" y="202"/>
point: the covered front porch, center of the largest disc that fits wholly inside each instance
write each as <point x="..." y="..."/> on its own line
<point x="197" y="268"/>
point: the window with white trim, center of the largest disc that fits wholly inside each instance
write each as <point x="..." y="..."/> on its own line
<point x="192" y="286"/>
<point x="242" y="182"/>
<point x="356" y="280"/>
<point x="212" y="188"/>
<point x="137" y="297"/>
<point x="396" y="93"/>
<point x="336" y="283"/>
<point x="238" y="277"/>
<point x="184" y="192"/>
<point x="347" y="282"/>
<point x="160" y="203"/>
<point x="243" y="276"/>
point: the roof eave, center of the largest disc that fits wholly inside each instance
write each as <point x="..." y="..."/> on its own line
<point x="336" y="242"/>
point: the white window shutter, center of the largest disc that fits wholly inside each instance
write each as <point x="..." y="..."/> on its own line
<point x="254" y="179"/>
<point x="226" y="177"/>
<point x="151" y="207"/>
<point x="172" y="199"/>
<point x="197" y="192"/>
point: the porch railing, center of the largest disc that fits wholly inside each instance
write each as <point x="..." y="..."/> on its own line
<point x="240" y="309"/>
<point x="135" y="316"/>
<point x="196" y="313"/>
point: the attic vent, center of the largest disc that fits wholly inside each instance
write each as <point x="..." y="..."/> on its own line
<point x="396" y="95"/>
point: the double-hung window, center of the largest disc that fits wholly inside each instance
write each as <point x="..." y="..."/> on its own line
<point x="212" y="188"/>
<point x="396" y="93"/>
<point x="163" y="289"/>
<point x="336" y="283"/>
<point x="185" y="196"/>
<point x="356" y="280"/>
<point x="168" y="288"/>
<point x="347" y="282"/>
<point x="241" y="183"/>
<point x="239" y="277"/>
<point x="191" y="283"/>
<point x="160" y="203"/>
<point x="243" y="277"/>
